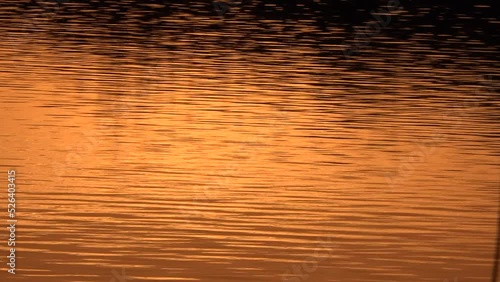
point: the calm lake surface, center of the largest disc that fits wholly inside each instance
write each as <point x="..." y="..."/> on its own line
<point x="192" y="146"/>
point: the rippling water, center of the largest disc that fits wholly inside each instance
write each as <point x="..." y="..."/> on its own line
<point x="174" y="143"/>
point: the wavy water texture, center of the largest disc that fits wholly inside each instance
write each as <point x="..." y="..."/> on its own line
<point x="168" y="143"/>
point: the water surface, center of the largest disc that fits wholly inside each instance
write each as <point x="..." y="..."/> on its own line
<point x="196" y="147"/>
